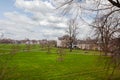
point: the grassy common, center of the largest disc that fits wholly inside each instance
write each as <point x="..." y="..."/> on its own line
<point x="37" y="64"/>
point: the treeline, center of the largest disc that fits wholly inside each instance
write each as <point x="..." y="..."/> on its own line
<point x="27" y="41"/>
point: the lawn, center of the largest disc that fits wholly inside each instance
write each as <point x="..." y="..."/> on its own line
<point x="37" y="64"/>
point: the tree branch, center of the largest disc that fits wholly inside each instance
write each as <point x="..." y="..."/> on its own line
<point x="117" y="4"/>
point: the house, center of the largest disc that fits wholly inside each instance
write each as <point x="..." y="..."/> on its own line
<point x="88" y="44"/>
<point x="63" y="41"/>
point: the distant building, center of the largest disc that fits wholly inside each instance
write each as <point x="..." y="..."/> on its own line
<point x="87" y="44"/>
<point x="63" y="41"/>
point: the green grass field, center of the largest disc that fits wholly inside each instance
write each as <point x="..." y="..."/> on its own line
<point x="37" y="64"/>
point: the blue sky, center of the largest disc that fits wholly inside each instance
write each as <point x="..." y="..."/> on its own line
<point x="33" y="19"/>
<point x="6" y="6"/>
<point x="9" y="6"/>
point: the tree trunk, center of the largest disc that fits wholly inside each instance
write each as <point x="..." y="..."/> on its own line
<point x="70" y="46"/>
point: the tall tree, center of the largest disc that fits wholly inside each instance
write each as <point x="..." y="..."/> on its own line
<point x="107" y="29"/>
<point x="72" y="31"/>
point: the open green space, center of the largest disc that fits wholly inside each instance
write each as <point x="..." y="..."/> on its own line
<point x="37" y="64"/>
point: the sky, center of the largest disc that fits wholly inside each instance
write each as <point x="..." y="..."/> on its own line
<point x="34" y="19"/>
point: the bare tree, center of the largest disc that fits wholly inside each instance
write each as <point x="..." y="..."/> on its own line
<point x="81" y="8"/>
<point x="107" y="28"/>
<point x="72" y="31"/>
<point x="48" y="47"/>
<point x="61" y="54"/>
<point x="28" y="45"/>
<point x="70" y="2"/>
<point x="115" y="3"/>
<point x="107" y="23"/>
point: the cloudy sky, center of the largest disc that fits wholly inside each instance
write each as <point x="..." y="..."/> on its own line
<point x="33" y="19"/>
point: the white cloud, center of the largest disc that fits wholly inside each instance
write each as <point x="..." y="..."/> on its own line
<point x="16" y="17"/>
<point x="44" y="22"/>
<point x="35" y="6"/>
